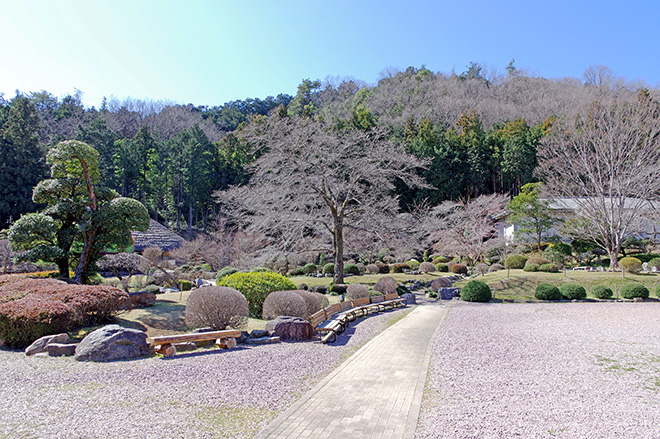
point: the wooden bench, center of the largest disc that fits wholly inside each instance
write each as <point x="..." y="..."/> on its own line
<point x="393" y="300"/>
<point x="165" y="344"/>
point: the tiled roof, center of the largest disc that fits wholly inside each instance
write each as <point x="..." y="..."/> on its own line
<point x="156" y="236"/>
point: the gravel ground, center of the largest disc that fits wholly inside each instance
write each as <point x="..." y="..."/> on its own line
<point x="207" y="394"/>
<point x="565" y="370"/>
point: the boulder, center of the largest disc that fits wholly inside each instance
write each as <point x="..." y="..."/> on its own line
<point x="185" y="346"/>
<point x="448" y="293"/>
<point x="59" y="349"/>
<point x="290" y="328"/>
<point x="40" y="345"/>
<point x="112" y="342"/>
<point x="410" y="298"/>
<point x="244" y="336"/>
<point x="142" y="298"/>
<point x="441" y="282"/>
<point x="259" y="333"/>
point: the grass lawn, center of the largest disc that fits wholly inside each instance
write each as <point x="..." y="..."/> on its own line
<point x="519" y="286"/>
<point x="365" y="279"/>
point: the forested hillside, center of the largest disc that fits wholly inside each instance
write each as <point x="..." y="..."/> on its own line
<point x="479" y="132"/>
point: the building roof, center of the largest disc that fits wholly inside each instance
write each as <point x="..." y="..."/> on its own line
<point x="156" y="236"/>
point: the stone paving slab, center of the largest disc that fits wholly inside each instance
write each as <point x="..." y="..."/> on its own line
<point x="376" y="393"/>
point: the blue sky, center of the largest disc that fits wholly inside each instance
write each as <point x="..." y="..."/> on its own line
<point x="210" y="52"/>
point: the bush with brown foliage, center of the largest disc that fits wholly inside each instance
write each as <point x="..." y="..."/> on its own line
<point x="217" y="307"/>
<point x="459" y="269"/>
<point x="426" y="267"/>
<point x="400" y="267"/>
<point x="386" y="285"/>
<point x="356" y="291"/>
<point x="31" y="308"/>
<point x="314" y="301"/>
<point x="284" y="303"/>
<point x="373" y="268"/>
<point x="383" y="268"/>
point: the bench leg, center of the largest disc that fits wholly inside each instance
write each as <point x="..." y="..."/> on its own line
<point x="167" y="349"/>
<point x="226" y="343"/>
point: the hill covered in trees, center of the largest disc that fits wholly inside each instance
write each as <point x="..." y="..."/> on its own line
<point x="479" y="133"/>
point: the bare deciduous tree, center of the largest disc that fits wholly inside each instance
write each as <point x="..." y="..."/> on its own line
<point x="314" y="180"/>
<point x="606" y="165"/>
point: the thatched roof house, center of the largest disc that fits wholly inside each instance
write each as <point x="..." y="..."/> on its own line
<point x="156" y="236"/>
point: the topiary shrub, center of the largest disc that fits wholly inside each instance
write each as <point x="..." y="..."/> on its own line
<point x="531" y="268"/>
<point x="313" y="301"/>
<point x="372" y="268"/>
<point x="361" y="267"/>
<point x="284" y="303"/>
<point x="256" y="286"/>
<point x="515" y="262"/>
<point x="185" y="285"/>
<point x="495" y="267"/>
<point x="383" y="268"/>
<point x="657" y="291"/>
<point x="537" y="260"/>
<point x="152" y="289"/>
<point x="442" y="267"/>
<point x="426" y="267"/>
<point x="386" y="285"/>
<point x="356" y="291"/>
<point x="481" y="268"/>
<point x="602" y="292"/>
<point x="476" y="291"/>
<point x="216" y="307"/>
<point x="573" y="291"/>
<point x="459" y="269"/>
<point x="399" y="267"/>
<point x="547" y="292"/>
<point x="440" y="260"/>
<point x="655" y="262"/>
<point x="329" y="268"/>
<point x="633" y="290"/>
<point x="225" y="271"/>
<point x="338" y="289"/>
<point x="549" y="268"/>
<point x="413" y="264"/>
<point x="351" y="269"/>
<point x="630" y="264"/>
<point x="310" y="269"/>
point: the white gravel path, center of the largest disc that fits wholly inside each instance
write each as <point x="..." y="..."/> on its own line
<point x="212" y="394"/>
<point x="565" y="370"/>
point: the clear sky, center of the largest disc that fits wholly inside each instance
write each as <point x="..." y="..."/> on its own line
<point x="210" y="52"/>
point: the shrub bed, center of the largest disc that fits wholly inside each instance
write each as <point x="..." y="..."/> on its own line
<point x="549" y="268"/>
<point x="476" y="291"/>
<point x="216" y="307"/>
<point x="531" y="268"/>
<point x="442" y="267"/>
<point x="256" y="287"/>
<point x="630" y="264"/>
<point x="573" y="291"/>
<point x="547" y="292"/>
<point x="632" y="291"/>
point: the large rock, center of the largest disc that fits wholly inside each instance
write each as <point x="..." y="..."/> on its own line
<point x="112" y="342"/>
<point x="410" y="298"/>
<point x="40" y="345"/>
<point x="59" y="349"/>
<point x="441" y="282"/>
<point x="448" y="293"/>
<point x="142" y="298"/>
<point x="290" y="328"/>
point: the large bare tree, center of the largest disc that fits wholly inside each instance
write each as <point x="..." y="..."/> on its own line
<point x="604" y="166"/>
<point x="313" y="179"/>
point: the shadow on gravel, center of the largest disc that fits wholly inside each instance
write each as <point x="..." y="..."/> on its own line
<point x="344" y="337"/>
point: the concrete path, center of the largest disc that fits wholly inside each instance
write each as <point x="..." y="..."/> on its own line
<point x="376" y="393"/>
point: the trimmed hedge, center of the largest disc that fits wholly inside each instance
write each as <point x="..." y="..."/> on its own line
<point x="602" y="292"/>
<point x="310" y="268"/>
<point x="459" y="269"/>
<point x="426" y="267"/>
<point x="531" y="268"/>
<point x="442" y="267"/>
<point x="351" y="269"/>
<point x="632" y="291"/>
<point x="476" y="291"/>
<point x="329" y="268"/>
<point x="399" y="267"/>
<point x="217" y="307"/>
<point x="256" y="287"/>
<point x="573" y="291"/>
<point x="630" y="264"/>
<point x="549" y="268"/>
<point x="284" y="303"/>
<point x="547" y="292"/>
<point x="515" y="261"/>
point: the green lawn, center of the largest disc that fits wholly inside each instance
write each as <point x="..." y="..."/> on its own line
<point x="519" y="286"/>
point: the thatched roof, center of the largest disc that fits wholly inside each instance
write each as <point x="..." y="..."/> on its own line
<point x="156" y="236"/>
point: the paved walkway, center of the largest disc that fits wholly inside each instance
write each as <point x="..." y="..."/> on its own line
<point x="376" y="393"/>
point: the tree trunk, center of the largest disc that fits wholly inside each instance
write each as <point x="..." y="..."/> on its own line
<point x="338" y="251"/>
<point x="614" y="259"/>
<point x="85" y="257"/>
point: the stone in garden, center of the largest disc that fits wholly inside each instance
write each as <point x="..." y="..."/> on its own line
<point x="448" y="293"/>
<point x="244" y="336"/>
<point x="290" y="328"/>
<point x="410" y="298"/>
<point x="112" y="342"/>
<point x="142" y="298"/>
<point x="185" y="346"/>
<point x="262" y="340"/>
<point x="59" y="349"/>
<point x="441" y="282"/>
<point x="40" y="345"/>
<point x="259" y="333"/>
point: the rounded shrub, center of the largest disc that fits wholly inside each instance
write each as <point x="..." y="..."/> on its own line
<point x="442" y="267"/>
<point x="225" y="271"/>
<point x="602" y="292"/>
<point x="549" y="268"/>
<point x="314" y="301"/>
<point x="383" y="268"/>
<point x="515" y="261"/>
<point x="284" y="303"/>
<point x="356" y="291"/>
<point x="547" y="292"/>
<point x="630" y="264"/>
<point x="399" y="267"/>
<point x="372" y="268"/>
<point x="633" y="290"/>
<point x="256" y="286"/>
<point x="495" y="267"/>
<point x="537" y="260"/>
<point x="476" y="291"/>
<point x="386" y="285"/>
<point x="573" y="291"/>
<point x="426" y="267"/>
<point x="413" y="264"/>
<point x="260" y="270"/>
<point x="655" y="262"/>
<point x="531" y="268"/>
<point x="185" y="285"/>
<point x="329" y="268"/>
<point x="351" y="269"/>
<point x="481" y="268"/>
<point x="152" y="289"/>
<point x="361" y="267"/>
<point x="216" y="307"/>
<point x="440" y="260"/>
<point x="459" y="269"/>
<point x="310" y="269"/>
<point x="657" y="290"/>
